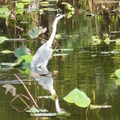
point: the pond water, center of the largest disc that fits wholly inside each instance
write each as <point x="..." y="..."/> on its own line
<point x="86" y="66"/>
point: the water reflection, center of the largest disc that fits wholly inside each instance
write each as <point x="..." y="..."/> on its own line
<point x="45" y="79"/>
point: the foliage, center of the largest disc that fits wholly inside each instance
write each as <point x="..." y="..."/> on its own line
<point x="2" y="39"/>
<point x="78" y="97"/>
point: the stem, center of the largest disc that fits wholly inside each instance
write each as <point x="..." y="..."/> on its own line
<point x="27" y="90"/>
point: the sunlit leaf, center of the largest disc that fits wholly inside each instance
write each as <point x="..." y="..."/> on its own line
<point x="35" y="32"/>
<point x="117" y="73"/>
<point x="10" y="88"/>
<point x="7" y="65"/>
<point x="68" y="6"/>
<point x="117" y="41"/>
<point x="26" y="58"/>
<point x="78" y="97"/>
<point x="20" y="5"/>
<point x="2" y="39"/>
<point x="6" y="51"/>
<point x="63" y="49"/>
<point x="25" y="1"/>
<point x="22" y="51"/>
<point x="60" y="54"/>
<point x="35" y="110"/>
<point x="46" y="3"/>
<point x="107" y="40"/>
<point x="99" y="106"/>
<point x="63" y="114"/>
<point x="43" y="114"/>
<point x="117" y="82"/>
<point x="4" y="10"/>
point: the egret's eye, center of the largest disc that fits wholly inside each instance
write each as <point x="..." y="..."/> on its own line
<point x="58" y="15"/>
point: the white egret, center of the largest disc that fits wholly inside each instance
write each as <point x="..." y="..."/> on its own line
<point x="44" y="53"/>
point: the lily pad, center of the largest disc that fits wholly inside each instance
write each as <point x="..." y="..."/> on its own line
<point x="107" y="40"/>
<point x="99" y="106"/>
<point x="117" y="82"/>
<point x="43" y="114"/>
<point x="26" y="58"/>
<point x="117" y="41"/>
<point x="2" y="39"/>
<point x="59" y="55"/>
<point x="117" y="73"/>
<point x="7" y="65"/>
<point x="78" y="97"/>
<point x="35" y="110"/>
<point x="6" y="51"/>
<point x="35" y="32"/>
<point x="21" y="51"/>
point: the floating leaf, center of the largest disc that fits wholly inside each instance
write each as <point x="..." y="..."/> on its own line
<point x="43" y="114"/>
<point x="63" y="114"/>
<point x="107" y="40"/>
<point x="99" y="106"/>
<point x="26" y="58"/>
<point x="7" y="65"/>
<point x="60" y="54"/>
<point x="35" y="32"/>
<point x="117" y="41"/>
<point x="63" y="50"/>
<point x="117" y="82"/>
<point x="44" y="3"/>
<point x="78" y="97"/>
<point x="10" y="88"/>
<point x="2" y="39"/>
<point x="35" y="110"/>
<point x="6" y="51"/>
<point x="117" y="73"/>
<point x="21" y="51"/>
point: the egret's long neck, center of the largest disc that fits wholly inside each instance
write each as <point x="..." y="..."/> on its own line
<point x="50" y="41"/>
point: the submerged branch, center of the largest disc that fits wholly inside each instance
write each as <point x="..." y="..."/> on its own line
<point x="27" y="90"/>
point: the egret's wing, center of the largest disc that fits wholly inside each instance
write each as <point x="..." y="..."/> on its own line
<point x="41" y="57"/>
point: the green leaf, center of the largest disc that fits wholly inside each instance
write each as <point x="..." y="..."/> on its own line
<point x="26" y="58"/>
<point x="117" y="82"/>
<point x="99" y="106"/>
<point x="33" y="110"/>
<point x="117" y="73"/>
<point x="107" y="40"/>
<point x="117" y="41"/>
<point x="20" y="5"/>
<point x="68" y="6"/>
<point x="7" y="65"/>
<point x="78" y="97"/>
<point x="44" y="3"/>
<point x="4" y="10"/>
<point x="35" y="32"/>
<point x="2" y="39"/>
<point x="6" y="51"/>
<point x="21" y="51"/>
